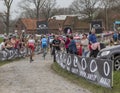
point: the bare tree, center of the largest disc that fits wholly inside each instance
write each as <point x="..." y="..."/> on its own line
<point x="2" y="25"/>
<point x="27" y="12"/>
<point x="64" y="11"/>
<point x="8" y="4"/>
<point x="86" y="8"/>
<point x="38" y="4"/>
<point x="107" y="5"/>
<point x="48" y="10"/>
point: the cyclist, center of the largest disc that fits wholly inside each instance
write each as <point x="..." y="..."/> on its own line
<point x="44" y="43"/>
<point x="31" y="46"/>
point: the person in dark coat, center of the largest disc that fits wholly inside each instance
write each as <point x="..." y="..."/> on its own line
<point x="56" y="46"/>
<point x="72" y="46"/>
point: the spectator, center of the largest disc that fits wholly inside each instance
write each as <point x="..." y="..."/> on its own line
<point x="22" y="46"/>
<point x="5" y="36"/>
<point x="95" y="46"/>
<point x="72" y="46"/>
<point x="119" y="37"/>
<point x="50" y="38"/>
<point x="92" y="36"/>
<point x="115" y="36"/>
<point x="2" y="45"/>
<point x="67" y="42"/>
<point x="9" y="44"/>
<point x="56" y="46"/>
<point x="84" y="43"/>
<point x="15" y="42"/>
<point x="80" y="50"/>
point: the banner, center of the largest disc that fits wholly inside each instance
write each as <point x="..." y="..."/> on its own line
<point x="11" y="54"/>
<point x="94" y="70"/>
<point x="15" y="53"/>
<point x="67" y="30"/>
<point x="97" y="25"/>
<point x="42" y="27"/>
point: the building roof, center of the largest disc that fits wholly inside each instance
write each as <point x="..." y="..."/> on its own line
<point x="55" y="24"/>
<point x="30" y="24"/>
<point x="60" y="22"/>
<point x="81" y="25"/>
<point x="61" y="17"/>
<point x="70" y="20"/>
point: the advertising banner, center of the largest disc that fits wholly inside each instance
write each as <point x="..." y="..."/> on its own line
<point x="94" y="70"/>
<point x="11" y="54"/>
<point x="98" y="26"/>
<point x="42" y="27"/>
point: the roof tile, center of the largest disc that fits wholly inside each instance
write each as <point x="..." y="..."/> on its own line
<point x="30" y="24"/>
<point x="70" y="20"/>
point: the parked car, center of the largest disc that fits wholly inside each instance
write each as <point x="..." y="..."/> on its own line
<point x="111" y="53"/>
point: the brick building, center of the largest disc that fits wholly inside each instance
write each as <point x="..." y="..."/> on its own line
<point x="28" y="25"/>
<point x="56" y="26"/>
<point x="70" y="22"/>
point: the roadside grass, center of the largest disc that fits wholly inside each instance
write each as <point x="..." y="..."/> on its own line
<point x="85" y="84"/>
<point x="9" y="61"/>
<point x="1" y="39"/>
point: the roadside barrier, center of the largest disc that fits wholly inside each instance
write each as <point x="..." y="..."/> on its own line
<point x="94" y="70"/>
<point x="15" y="53"/>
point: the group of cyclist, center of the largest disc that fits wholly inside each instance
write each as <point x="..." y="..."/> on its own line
<point x="46" y="43"/>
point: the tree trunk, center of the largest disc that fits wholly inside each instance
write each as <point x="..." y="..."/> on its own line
<point x="106" y="19"/>
<point x="8" y="20"/>
<point x="37" y="15"/>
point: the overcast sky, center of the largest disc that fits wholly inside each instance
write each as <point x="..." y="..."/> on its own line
<point x="15" y="11"/>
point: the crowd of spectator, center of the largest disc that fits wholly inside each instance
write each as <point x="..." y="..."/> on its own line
<point x="82" y="45"/>
<point x="13" y="42"/>
<point x="88" y="44"/>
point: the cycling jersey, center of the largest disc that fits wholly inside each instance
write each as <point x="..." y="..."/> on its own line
<point x="44" y="42"/>
<point x="31" y="44"/>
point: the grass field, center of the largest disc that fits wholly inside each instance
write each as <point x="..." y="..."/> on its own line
<point x="9" y="61"/>
<point x="5" y="62"/>
<point x="1" y="39"/>
<point x="87" y="85"/>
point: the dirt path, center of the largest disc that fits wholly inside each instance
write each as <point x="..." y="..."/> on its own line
<point x="36" y="77"/>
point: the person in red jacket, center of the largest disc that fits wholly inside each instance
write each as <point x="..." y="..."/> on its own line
<point x="67" y="42"/>
<point x="80" y="50"/>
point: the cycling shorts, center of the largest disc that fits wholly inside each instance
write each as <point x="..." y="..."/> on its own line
<point x="31" y="46"/>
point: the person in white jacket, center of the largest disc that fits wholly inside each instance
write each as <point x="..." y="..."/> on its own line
<point x="84" y="43"/>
